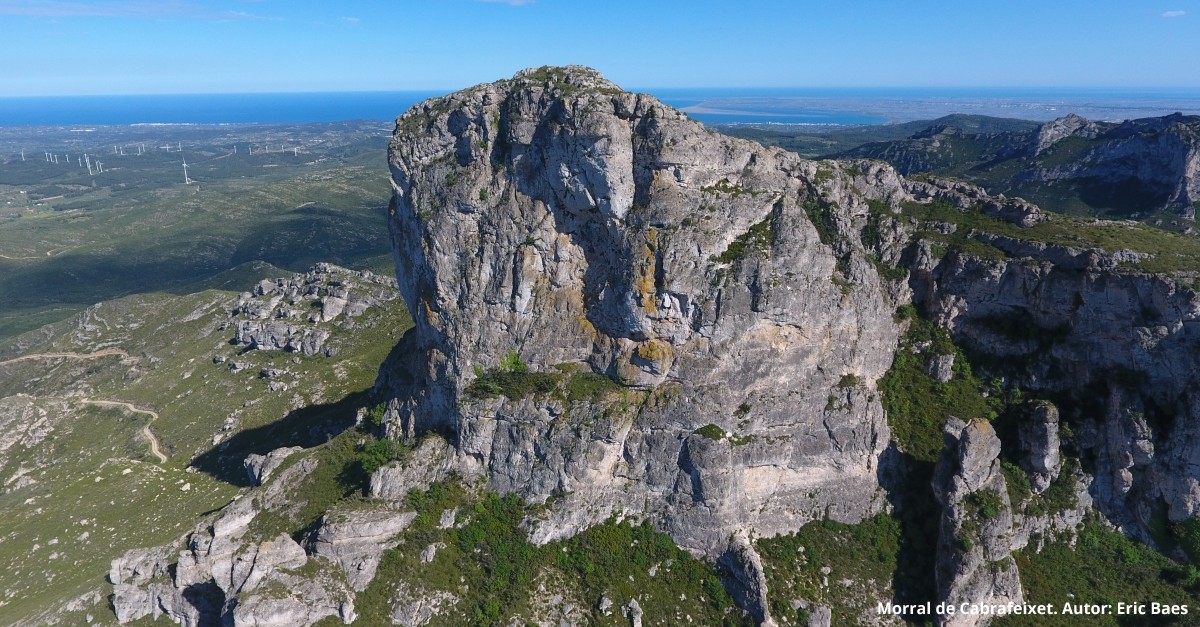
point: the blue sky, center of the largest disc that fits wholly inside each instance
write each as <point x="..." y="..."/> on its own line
<point x="59" y="47"/>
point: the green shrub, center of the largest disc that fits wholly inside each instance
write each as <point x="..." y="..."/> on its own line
<point x="590" y="386"/>
<point x="918" y="405"/>
<point x="513" y="380"/>
<point x="1188" y="533"/>
<point x="1103" y="567"/>
<point x="1017" y="482"/>
<point x="378" y="453"/>
<point x="849" y="381"/>
<point x="758" y="239"/>
<point x="865" y="552"/>
<point x="374" y="418"/>
<point x="515" y="385"/>
<point x="512" y="363"/>
<point x="984" y="504"/>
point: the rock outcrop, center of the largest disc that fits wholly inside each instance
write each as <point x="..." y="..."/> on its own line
<point x="1070" y="125"/>
<point x="259" y="467"/>
<point x="298" y="315"/>
<point x="1132" y="168"/>
<point x="1040" y="443"/>
<point x="1117" y="344"/>
<point x="355" y="539"/>
<point x="975" y="543"/>
<point x="610" y="234"/>
<point x="225" y="573"/>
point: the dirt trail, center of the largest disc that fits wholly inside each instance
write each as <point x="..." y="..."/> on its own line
<point x="104" y="352"/>
<point x="149" y="435"/>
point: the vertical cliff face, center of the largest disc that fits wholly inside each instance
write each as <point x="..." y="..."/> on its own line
<point x="1115" y="347"/>
<point x="555" y="218"/>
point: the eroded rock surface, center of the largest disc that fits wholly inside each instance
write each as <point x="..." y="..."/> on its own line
<point x="975" y="543"/>
<point x="299" y="314"/>
<point x="609" y="233"/>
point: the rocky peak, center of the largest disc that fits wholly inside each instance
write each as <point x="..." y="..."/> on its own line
<point x="1070" y="125"/>
<point x="975" y="540"/>
<point x="565" y="77"/>
<point x="545" y="232"/>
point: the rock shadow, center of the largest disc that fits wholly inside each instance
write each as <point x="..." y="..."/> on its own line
<point x="306" y="427"/>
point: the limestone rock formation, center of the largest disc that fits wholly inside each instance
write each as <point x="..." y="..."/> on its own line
<point x="260" y="467"/>
<point x="610" y="234"/>
<point x="1118" y="343"/>
<point x="356" y="539"/>
<point x="974" y="555"/>
<point x="1070" y="125"/>
<point x="279" y="314"/>
<point x="225" y="575"/>
<point x="622" y="314"/>
<point x="1040" y="441"/>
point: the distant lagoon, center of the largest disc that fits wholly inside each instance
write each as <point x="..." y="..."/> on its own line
<point x="839" y="107"/>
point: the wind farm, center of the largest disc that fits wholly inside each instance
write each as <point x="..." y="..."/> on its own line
<point x="290" y="195"/>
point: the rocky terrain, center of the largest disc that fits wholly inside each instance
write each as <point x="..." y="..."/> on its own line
<point x="124" y="425"/>
<point x="1146" y="168"/>
<point x="658" y="375"/>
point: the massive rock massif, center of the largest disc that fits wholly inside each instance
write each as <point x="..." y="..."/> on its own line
<point x="622" y="314"/>
<point x="579" y="228"/>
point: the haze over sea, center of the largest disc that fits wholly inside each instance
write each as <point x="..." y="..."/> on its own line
<point x="838" y="107"/>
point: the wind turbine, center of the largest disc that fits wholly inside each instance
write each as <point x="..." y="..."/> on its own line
<point x="186" y="180"/>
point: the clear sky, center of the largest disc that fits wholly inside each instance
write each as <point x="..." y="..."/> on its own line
<point x="68" y="47"/>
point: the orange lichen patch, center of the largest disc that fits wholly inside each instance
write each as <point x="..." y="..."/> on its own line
<point x="430" y="315"/>
<point x="644" y="280"/>
<point x="654" y="350"/>
<point x="980" y="426"/>
<point x="587" y="326"/>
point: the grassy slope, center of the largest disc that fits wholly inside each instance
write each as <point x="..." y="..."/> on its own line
<point x="171" y="342"/>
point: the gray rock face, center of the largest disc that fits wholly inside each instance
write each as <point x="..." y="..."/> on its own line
<point x="394" y="481"/>
<point x="413" y="607"/>
<point x="294" y="601"/>
<point x="260" y="467"/>
<point x="1070" y="125"/>
<point x="1040" y="444"/>
<point x="356" y="540"/>
<point x="1162" y="155"/>
<point x="610" y="232"/>
<point x="224" y="576"/>
<point x="634" y="611"/>
<point x="745" y="566"/>
<point x="279" y="314"/>
<point x="974" y="558"/>
<point x="820" y="616"/>
<point x="1119" y="344"/>
<point x="965" y="195"/>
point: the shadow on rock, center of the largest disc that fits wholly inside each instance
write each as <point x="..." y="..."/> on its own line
<point x="305" y="427"/>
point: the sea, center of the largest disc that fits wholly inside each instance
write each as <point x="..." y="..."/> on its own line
<point x="717" y="106"/>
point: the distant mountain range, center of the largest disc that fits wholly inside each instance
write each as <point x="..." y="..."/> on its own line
<point x="1147" y="168"/>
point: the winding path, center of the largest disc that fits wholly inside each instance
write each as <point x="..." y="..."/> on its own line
<point x="154" y="448"/>
<point x="104" y="352"/>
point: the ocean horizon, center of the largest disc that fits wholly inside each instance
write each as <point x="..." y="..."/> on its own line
<point x="715" y="106"/>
